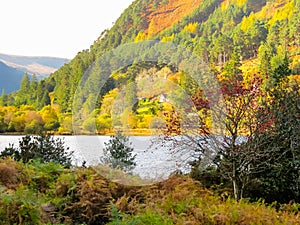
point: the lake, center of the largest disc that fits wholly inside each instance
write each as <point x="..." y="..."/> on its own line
<point x="151" y="163"/>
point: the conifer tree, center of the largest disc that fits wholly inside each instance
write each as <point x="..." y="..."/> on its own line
<point x="3" y="99"/>
<point x="231" y="69"/>
<point x="33" y="90"/>
<point x="118" y="153"/>
<point x="22" y="95"/>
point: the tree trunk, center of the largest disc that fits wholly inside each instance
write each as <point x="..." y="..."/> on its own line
<point x="220" y="59"/>
<point x="236" y="189"/>
<point x="224" y="58"/>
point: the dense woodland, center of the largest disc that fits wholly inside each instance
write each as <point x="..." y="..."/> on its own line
<point x="248" y="52"/>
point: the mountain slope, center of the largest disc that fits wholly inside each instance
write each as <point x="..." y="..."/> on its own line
<point x="211" y="28"/>
<point x="33" y="65"/>
<point x="163" y="16"/>
<point x="10" y="78"/>
<point x="260" y="31"/>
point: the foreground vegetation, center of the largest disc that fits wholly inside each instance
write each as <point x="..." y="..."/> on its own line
<point x="36" y="193"/>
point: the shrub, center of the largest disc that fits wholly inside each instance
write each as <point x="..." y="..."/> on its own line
<point x="118" y="153"/>
<point x="19" y="207"/>
<point x="43" y="175"/>
<point x="43" y="147"/>
<point x="91" y="199"/>
<point x="11" y="174"/>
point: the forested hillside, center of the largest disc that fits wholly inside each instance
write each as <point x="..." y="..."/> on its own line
<point x="238" y="39"/>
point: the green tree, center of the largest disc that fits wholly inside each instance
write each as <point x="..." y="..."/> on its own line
<point x="258" y="34"/>
<point x="46" y="99"/>
<point x="201" y="48"/>
<point x="3" y="99"/>
<point x="221" y="48"/>
<point x="231" y="69"/>
<point x="42" y="94"/>
<point x="281" y="71"/>
<point x="25" y="83"/>
<point x="45" y="148"/>
<point x="118" y="153"/>
<point x="265" y="52"/>
<point x="130" y="95"/>
<point x="3" y="126"/>
<point x="294" y="29"/>
<point x="23" y="94"/>
<point x="279" y="139"/>
<point x="188" y="83"/>
<point x="33" y="90"/>
<point x="62" y="91"/>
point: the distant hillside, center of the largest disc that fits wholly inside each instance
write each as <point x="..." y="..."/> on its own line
<point x="10" y="78"/>
<point x="42" y="66"/>
<point x="12" y="69"/>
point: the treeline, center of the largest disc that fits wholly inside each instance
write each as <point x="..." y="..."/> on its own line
<point x="26" y="119"/>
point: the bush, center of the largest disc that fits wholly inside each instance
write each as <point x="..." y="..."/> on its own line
<point x="118" y="153"/>
<point x="19" y="207"/>
<point x="11" y="174"/>
<point x="43" y="147"/>
<point x="280" y="179"/>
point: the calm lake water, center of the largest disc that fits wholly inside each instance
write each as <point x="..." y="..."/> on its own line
<point x="151" y="163"/>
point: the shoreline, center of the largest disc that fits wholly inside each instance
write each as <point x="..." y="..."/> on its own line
<point x="132" y="132"/>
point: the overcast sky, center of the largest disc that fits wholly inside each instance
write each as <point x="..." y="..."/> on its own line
<point x="58" y="28"/>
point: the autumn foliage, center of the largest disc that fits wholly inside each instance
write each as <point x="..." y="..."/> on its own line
<point x="52" y="195"/>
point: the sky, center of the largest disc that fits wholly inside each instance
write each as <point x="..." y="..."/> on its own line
<point x="58" y="28"/>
